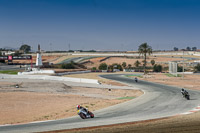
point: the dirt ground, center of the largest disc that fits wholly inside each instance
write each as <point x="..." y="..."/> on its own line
<point x="37" y="100"/>
<point x="187" y="81"/>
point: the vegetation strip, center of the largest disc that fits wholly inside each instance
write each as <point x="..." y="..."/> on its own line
<point x="121" y="98"/>
<point x="9" y="72"/>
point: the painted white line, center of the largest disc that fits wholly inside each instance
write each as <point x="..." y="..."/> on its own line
<point x="186" y="113"/>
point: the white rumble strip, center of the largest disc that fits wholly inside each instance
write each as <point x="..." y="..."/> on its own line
<point x="192" y="111"/>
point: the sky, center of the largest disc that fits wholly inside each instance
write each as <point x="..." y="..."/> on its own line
<point x="119" y="25"/>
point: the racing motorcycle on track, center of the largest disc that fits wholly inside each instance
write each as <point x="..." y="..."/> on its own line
<point x="84" y="114"/>
<point x="136" y="80"/>
<point x="187" y="96"/>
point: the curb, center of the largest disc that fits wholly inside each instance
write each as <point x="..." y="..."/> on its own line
<point x="192" y="111"/>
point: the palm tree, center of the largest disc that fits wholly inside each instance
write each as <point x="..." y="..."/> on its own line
<point x="145" y="49"/>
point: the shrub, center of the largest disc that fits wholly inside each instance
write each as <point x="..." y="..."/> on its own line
<point x="68" y="66"/>
<point x="124" y="64"/>
<point x="103" y="66"/>
<point x="157" y="68"/>
<point x="137" y="63"/>
<point x="179" y="69"/>
<point x="117" y="66"/>
<point x="94" y="68"/>
<point x="197" y="67"/>
<point x="153" y="62"/>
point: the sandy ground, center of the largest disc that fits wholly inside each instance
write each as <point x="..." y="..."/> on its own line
<point x="38" y="100"/>
<point x="185" y="81"/>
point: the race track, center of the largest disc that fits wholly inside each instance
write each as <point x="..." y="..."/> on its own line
<point x="158" y="101"/>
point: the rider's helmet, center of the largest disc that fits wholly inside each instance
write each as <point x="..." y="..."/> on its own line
<point x="182" y="89"/>
<point x="78" y="107"/>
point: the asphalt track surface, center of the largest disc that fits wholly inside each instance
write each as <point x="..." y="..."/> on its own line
<point x="158" y="101"/>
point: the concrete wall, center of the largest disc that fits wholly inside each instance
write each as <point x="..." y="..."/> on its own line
<point x="46" y="77"/>
<point x="37" y="72"/>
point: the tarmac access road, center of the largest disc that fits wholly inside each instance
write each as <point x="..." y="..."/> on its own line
<point x="158" y="101"/>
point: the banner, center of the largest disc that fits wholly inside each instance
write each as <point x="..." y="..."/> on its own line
<point x="25" y="57"/>
<point x="3" y="57"/>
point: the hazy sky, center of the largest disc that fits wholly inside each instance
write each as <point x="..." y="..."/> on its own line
<point x="100" y="24"/>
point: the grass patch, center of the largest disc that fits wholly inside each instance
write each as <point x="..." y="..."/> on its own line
<point x="134" y="75"/>
<point x="92" y="104"/>
<point x="171" y="75"/>
<point x="122" y="98"/>
<point x="46" y="116"/>
<point x="14" y="72"/>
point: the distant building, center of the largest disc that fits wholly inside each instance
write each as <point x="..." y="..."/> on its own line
<point x="5" y="53"/>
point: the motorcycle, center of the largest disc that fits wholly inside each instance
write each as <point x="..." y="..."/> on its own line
<point x="187" y="96"/>
<point x="136" y="80"/>
<point x="84" y="114"/>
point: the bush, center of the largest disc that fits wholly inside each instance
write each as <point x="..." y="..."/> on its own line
<point x="179" y="69"/>
<point x="116" y="66"/>
<point x="197" y="67"/>
<point x="103" y="66"/>
<point x="94" y="68"/>
<point x="157" y="68"/>
<point x="153" y="62"/>
<point x="68" y="66"/>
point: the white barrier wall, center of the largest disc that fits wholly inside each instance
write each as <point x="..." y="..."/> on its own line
<point x="46" y="77"/>
<point x="36" y="72"/>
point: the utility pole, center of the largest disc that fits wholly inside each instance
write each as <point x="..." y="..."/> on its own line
<point x="69" y="46"/>
<point x="183" y="66"/>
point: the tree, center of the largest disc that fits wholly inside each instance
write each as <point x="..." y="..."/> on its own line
<point x="197" y="67"/>
<point x="157" y="68"/>
<point x="179" y="69"/>
<point x="103" y="66"/>
<point x="26" y="48"/>
<point x="129" y="66"/>
<point x="117" y="66"/>
<point x="194" y="48"/>
<point x="137" y="63"/>
<point x="145" y="49"/>
<point x="188" y="49"/>
<point x="124" y="64"/>
<point x="153" y="62"/>
<point x="175" y="49"/>
<point x="94" y="68"/>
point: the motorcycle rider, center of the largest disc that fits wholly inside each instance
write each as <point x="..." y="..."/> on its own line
<point x="84" y="109"/>
<point x="184" y="92"/>
<point x="80" y="107"/>
<point x="136" y="80"/>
